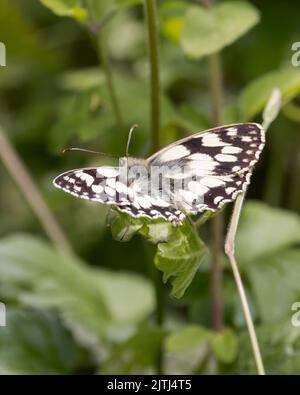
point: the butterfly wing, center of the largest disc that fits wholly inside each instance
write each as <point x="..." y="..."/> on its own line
<point x="213" y="166"/>
<point x="144" y="206"/>
<point x="100" y="184"/>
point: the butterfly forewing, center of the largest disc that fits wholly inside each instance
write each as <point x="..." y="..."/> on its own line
<point x="223" y="150"/>
<point x="99" y="184"/>
<point x="215" y="165"/>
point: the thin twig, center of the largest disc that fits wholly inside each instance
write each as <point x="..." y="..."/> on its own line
<point x="152" y="22"/>
<point x="24" y="181"/>
<point x="216" y="271"/>
<point x="230" y="252"/>
<point x="271" y="110"/>
<point x="216" y="86"/>
<point x="217" y="223"/>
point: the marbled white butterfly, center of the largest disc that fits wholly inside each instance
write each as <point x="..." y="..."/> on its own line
<point x="195" y="174"/>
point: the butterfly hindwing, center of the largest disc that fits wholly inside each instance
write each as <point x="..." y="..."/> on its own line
<point x="167" y="212"/>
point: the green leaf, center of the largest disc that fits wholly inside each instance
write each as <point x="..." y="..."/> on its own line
<point x="171" y="13"/>
<point x="280" y="347"/>
<point x="124" y="227"/>
<point x="275" y="283"/>
<point x="191" y="119"/>
<point x="187" y="338"/>
<point x="292" y="111"/>
<point x="225" y="345"/>
<point x="98" y="9"/>
<point x="180" y="250"/>
<point x="36" y="343"/>
<point x="206" y="31"/>
<point x="263" y="230"/>
<point x="255" y="96"/>
<point x="125" y="37"/>
<point x="180" y="257"/>
<point x="91" y="301"/>
<point x="88" y="114"/>
<point x="157" y="231"/>
<point x="137" y="354"/>
<point x="71" y="8"/>
<point x="82" y="80"/>
<point x="122" y="4"/>
<point x="26" y="55"/>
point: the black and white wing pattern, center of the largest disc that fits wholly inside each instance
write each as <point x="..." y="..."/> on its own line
<point x="150" y="207"/>
<point x="198" y="173"/>
<point x="99" y="184"/>
<point x="213" y="166"/>
<point x="104" y="185"/>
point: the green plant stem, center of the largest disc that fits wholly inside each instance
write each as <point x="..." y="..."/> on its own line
<point x="104" y="58"/>
<point x="156" y="278"/>
<point x="159" y="309"/>
<point x="217" y="224"/>
<point x="216" y="87"/>
<point x="152" y="22"/>
<point x="270" y="113"/>
<point x="230" y="252"/>
<point x="152" y="27"/>
<point x="24" y="181"/>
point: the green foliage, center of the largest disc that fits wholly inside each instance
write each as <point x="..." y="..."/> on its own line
<point x="292" y="112"/>
<point x="94" y="9"/>
<point x="187" y="339"/>
<point x="180" y="251"/>
<point x="88" y="112"/>
<point x="137" y="354"/>
<point x="34" y="342"/>
<point x="275" y="282"/>
<point x="281" y="349"/>
<point x="70" y="8"/>
<point x="223" y="344"/>
<point x="255" y="96"/>
<point x="272" y="262"/>
<point x="206" y="31"/>
<point x="180" y="257"/>
<point x="171" y="14"/>
<point x="257" y="229"/>
<point x="91" y="301"/>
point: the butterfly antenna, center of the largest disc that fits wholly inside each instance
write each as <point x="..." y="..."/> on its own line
<point x="88" y="151"/>
<point x="129" y="138"/>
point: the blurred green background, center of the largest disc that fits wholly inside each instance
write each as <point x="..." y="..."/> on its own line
<point x="94" y="311"/>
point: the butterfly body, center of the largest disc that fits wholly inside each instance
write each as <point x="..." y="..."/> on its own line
<point x="201" y="172"/>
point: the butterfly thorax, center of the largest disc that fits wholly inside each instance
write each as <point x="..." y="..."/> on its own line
<point x="134" y="172"/>
<point x="130" y="161"/>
